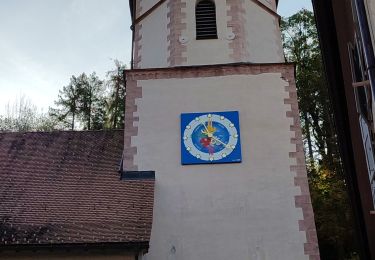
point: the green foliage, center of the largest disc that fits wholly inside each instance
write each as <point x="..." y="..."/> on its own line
<point x="81" y="104"/>
<point x="87" y="102"/>
<point x="333" y="214"/>
<point x="115" y="105"/>
<point x="333" y="217"/>
<point x="68" y="104"/>
<point x="90" y="103"/>
<point x="23" y="116"/>
<point x="90" y="100"/>
<point x="300" y="40"/>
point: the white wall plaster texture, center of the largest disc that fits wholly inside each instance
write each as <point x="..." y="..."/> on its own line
<point x="194" y="203"/>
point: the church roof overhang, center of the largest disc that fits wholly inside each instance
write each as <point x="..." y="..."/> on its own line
<point x="132" y="6"/>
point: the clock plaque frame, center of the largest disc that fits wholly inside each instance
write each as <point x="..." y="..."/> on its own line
<point x="210" y="138"/>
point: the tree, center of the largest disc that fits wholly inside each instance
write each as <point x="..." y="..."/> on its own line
<point x="67" y="104"/>
<point x="91" y="102"/>
<point x="81" y="103"/>
<point x="301" y="46"/>
<point x="329" y="193"/>
<point x="87" y="102"/>
<point x="115" y="107"/>
<point x="23" y="116"/>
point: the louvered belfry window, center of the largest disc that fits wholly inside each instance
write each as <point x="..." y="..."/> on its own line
<point x="205" y="15"/>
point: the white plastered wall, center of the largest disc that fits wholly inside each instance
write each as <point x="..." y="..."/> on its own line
<point x="154" y="47"/>
<point x="147" y="4"/>
<point x="213" y="51"/>
<point x="263" y="35"/>
<point x="229" y="211"/>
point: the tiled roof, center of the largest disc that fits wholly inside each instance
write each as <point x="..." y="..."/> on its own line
<point x="64" y="188"/>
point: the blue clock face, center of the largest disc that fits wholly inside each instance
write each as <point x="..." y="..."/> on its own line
<point x="210" y="138"/>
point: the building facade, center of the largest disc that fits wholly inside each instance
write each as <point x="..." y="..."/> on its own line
<point x="346" y="31"/>
<point x="243" y="200"/>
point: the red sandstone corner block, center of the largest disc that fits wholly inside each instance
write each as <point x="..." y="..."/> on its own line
<point x="302" y="201"/>
<point x="133" y="92"/>
<point x="137" y="37"/>
<point x="137" y="46"/>
<point x="238" y="45"/>
<point x="176" y="27"/>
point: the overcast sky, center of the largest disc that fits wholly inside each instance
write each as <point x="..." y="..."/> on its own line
<point x="44" y="42"/>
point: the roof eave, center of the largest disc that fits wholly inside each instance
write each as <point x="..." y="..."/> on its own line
<point x="132" y="5"/>
<point x="135" y="246"/>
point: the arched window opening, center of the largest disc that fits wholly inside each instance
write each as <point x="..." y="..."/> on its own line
<point x="205" y="16"/>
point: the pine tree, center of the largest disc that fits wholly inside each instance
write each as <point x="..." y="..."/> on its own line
<point x="115" y="108"/>
<point x="68" y="104"/>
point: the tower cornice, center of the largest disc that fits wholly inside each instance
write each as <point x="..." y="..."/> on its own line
<point x="132" y="5"/>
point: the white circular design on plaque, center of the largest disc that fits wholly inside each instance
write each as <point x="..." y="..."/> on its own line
<point x="183" y="39"/>
<point x="231" y="36"/>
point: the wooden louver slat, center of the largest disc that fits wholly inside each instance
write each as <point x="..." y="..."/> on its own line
<point x="205" y="15"/>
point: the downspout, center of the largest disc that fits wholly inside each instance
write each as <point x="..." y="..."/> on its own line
<point x="366" y="42"/>
<point x="132" y="27"/>
<point x="132" y="53"/>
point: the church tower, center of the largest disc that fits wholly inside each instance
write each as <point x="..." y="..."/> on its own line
<point x="212" y="108"/>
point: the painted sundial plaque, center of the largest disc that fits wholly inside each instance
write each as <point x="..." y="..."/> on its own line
<point x="210" y="137"/>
